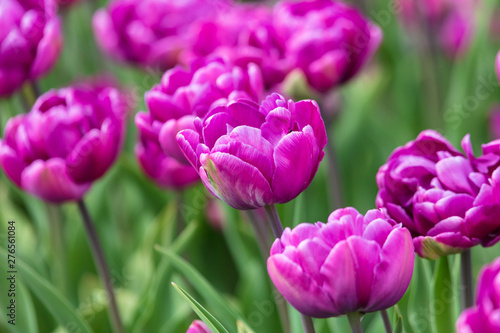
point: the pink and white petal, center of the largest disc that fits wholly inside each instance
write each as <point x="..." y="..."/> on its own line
<point x="239" y="184"/>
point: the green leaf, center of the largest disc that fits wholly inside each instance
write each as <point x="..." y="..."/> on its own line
<point x="419" y="312"/>
<point x="25" y="312"/>
<point x="228" y="314"/>
<point x="55" y="303"/>
<point x="206" y="316"/>
<point x="398" y="322"/>
<point x="443" y="298"/>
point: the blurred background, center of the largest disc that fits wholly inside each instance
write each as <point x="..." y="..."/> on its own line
<point x="405" y="89"/>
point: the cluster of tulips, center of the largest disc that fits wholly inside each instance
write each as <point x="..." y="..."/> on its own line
<point x="221" y="114"/>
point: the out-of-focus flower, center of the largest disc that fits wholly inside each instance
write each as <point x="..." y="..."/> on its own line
<point x="151" y="32"/>
<point x="244" y="34"/>
<point x="70" y="138"/>
<point x="30" y="42"/>
<point x="484" y="316"/>
<point x="251" y="156"/>
<point x="447" y="200"/>
<point x="173" y="105"/>
<point x="328" y="40"/>
<point x="198" y="327"/>
<point x="374" y="254"/>
<point x="450" y="21"/>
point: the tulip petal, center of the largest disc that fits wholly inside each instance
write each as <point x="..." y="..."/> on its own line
<point x="48" y="49"/>
<point x="393" y="272"/>
<point x="239" y="184"/>
<point x="356" y="259"/>
<point x="453" y="173"/>
<point x="296" y="159"/>
<point x="95" y="153"/>
<point x="49" y="181"/>
<point x="11" y="164"/>
<point x="307" y="112"/>
<point x="188" y="140"/>
<point x="298" y="287"/>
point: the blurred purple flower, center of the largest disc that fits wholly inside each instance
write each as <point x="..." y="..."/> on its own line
<point x="198" y="327"/>
<point x="447" y="200"/>
<point x="351" y="263"/>
<point x="328" y="40"/>
<point x="450" y="21"/>
<point x="30" y="42"/>
<point x="151" y="32"/>
<point x="70" y="138"/>
<point x="484" y="317"/>
<point x="244" y="34"/>
<point x="251" y="157"/>
<point x="173" y="105"/>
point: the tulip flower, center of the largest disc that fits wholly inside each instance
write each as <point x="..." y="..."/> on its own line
<point x="450" y="21"/>
<point x="151" y="32"/>
<point x="173" y="106"/>
<point x="494" y="121"/>
<point x="328" y="40"/>
<point x="352" y="263"/>
<point x="483" y="317"/>
<point x="69" y="139"/>
<point x="198" y="327"/>
<point x="30" y="42"/>
<point x="244" y="34"/>
<point x="251" y="156"/>
<point x="497" y="65"/>
<point x="447" y="200"/>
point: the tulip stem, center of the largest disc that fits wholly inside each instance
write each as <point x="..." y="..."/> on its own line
<point x="274" y="218"/>
<point x="386" y="320"/>
<point x="307" y="324"/>
<point x="261" y="233"/>
<point x="102" y="266"/>
<point x="466" y="275"/>
<point x="355" y="322"/>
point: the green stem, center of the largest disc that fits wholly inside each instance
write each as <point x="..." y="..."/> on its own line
<point x="355" y="322"/>
<point x="386" y="320"/>
<point x="307" y="324"/>
<point x="102" y="266"/>
<point x="334" y="175"/>
<point x="274" y="218"/>
<point x="466" y="275"/>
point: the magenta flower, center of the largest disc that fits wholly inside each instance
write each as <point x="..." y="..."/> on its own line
<point x="484" y="316"/>
<point x="151" y="32"/>
<point x="173" y="105"/>
<point x="251" y="157"/>
<point x="244" y="34"/>
<point x="30" y="42"/>
<point x="450" y="21"/>
<point x="494" y="121"/>
<point x="70" y="138"/>
<point x="447" y="200"/>
<point x="328" y="40"/>
<point x="352" y="263"/>
<point x="198" y="327"/>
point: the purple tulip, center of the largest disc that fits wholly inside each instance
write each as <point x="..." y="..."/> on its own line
<point x="151" y="32"/>
<point x="484" y="317"/>
<point x="70" y="138"/>
<point x="30" y="42"/>
<point x="447" y="200"/>
<point x="198" y="327"/>
<point x="351" y="263"/>
<point x="173" y="105"/>
<point x="328" y="40"/>
<point x="251" y="156"/>
<point x="244" y="34"/>
<point x="450" y="21"/>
